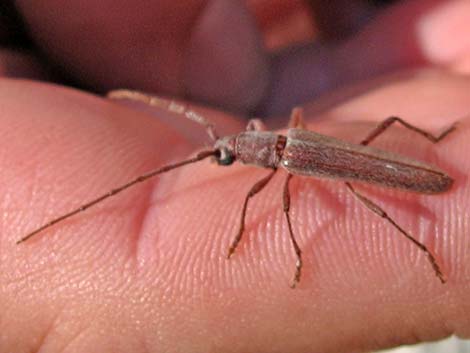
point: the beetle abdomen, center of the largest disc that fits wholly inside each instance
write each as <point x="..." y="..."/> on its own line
<point x="311" y="154"/>
<point x="261" y="148"/>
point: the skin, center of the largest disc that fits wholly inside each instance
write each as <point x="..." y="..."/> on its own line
<point x="146" y="271"/>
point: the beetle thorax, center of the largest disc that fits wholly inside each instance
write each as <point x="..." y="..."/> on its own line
<point x="261" y="148"/>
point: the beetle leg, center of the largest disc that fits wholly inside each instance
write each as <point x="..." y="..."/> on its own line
<point x="255" y="125"/>
<point x="384" y="125"/>
<point x="296" y="119"/>
<point x="253" y="191"/>
<point x="379" y="211"/>
<point x="298" y="252"/>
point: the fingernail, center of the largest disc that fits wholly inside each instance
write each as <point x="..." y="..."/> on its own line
<point x="444" y="32"/>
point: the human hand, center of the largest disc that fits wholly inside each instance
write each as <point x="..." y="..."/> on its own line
<point x="147" y="269"/>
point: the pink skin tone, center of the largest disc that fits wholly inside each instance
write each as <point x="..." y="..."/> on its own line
<point x="146" y="271"/>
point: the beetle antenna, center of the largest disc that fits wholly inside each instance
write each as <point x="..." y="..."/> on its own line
<point x="170" y="105"/>
<point x="200" y="156"/>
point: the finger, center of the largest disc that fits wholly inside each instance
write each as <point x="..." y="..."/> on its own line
<point x="207" y="50"/>
<point x="432" y="97"/>
<point x="448" y="24"/>
<point x="283" y="22"/>
<point x="157" y="253"/>
<point x="410" y="34"/>
<point x="46" y="142"/>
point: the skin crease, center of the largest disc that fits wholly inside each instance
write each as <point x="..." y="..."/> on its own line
<point x="146" y="271"/>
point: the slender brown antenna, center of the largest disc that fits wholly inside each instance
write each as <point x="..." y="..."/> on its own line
<point x="170" y="105"/>
<point x="200" y="156"/>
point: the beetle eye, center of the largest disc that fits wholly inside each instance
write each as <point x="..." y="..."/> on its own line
<point x="225" y="157"/>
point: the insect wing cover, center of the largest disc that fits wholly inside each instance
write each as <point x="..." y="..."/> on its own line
<point x="311" y="154"/>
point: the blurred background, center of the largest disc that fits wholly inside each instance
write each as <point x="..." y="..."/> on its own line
<point x="35" y="44"/>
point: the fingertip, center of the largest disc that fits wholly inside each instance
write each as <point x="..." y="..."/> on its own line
<point x="226" y="64"/>
<point x="443" y="32"/>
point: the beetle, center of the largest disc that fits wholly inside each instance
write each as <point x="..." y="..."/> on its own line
<point x="299" y="152"/>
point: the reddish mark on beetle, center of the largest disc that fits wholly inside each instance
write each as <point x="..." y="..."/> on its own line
<point x="300" y="152"/>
